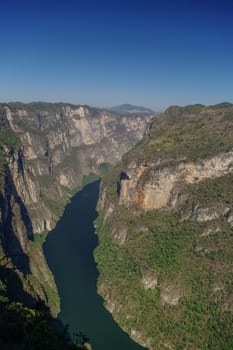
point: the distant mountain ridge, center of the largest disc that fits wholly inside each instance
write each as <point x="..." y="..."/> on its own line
<point x="131" y="109"/>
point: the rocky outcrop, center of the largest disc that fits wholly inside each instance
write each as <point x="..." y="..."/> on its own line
<point x="149" y="280"/>
<point x="154" y="186"/>
<point x="170" y="293"/>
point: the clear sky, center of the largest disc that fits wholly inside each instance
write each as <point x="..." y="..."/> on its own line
<point x="108" y="52"/>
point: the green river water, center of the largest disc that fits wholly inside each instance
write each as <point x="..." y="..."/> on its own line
<point x="69" y="252"/>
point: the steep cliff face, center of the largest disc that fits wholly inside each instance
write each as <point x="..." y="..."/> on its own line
<point x="59" y="147"/>
<point x="154" y="186"/>
<point x="165" y="229"/>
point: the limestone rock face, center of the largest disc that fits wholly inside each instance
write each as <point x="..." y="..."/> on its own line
<point x="149" y="280"/>
<point x="153" y="186"/>
<point x="61" y="147"/>
<point x="17" y="230"/>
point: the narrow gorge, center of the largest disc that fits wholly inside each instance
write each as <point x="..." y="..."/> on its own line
<point x="48" y="152"/>
<point x="164" y="225"/>
<point x="69" y="252"/>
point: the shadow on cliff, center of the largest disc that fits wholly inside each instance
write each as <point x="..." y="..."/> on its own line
<point x="10" y="241"/>
<point x="14" y="286"/>
<point x="122" y="176"/>
<point x="23" y="210"/>
<point x="22" y="328"/>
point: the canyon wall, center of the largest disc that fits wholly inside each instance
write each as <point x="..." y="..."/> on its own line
<point x="165" y="230"/>
<point x="59" y="148"/>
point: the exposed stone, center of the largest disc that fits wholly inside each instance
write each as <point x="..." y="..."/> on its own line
<point x="209" y="232"/>
<point x="155" y="190"/>
<point x="209" y="168"/>
<point x="157" y="195"/>
<point x="205" y="214"/>
<point x="170" y="293"/>
<point x="149" y="280"/>
<point x="138" y="337"/>
<point x="230" y="219"/>
<point x="121" y="235"/>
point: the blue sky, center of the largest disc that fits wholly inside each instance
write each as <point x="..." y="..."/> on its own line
<point x="104" y="53"/>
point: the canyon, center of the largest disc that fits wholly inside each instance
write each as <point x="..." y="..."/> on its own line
<point x="58" y="148"/>
<point x="165" y="214"/>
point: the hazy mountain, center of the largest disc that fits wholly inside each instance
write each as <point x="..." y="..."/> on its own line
<point x="131" y="109"/>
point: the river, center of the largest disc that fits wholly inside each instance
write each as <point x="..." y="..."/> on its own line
<point x="69" y="253"/>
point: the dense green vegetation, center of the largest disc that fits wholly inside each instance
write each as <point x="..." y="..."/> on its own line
<point x="191" y="132"/>
<point x="56" y="206"/>
<point x="105" y="167"/>
<point x="39" y="237"/>
<point x="91" y="177"/>
<point x="191" y="259"/>
<point x="169" y="250"/>
<point x="9" y="138"/>
<point x="212" y="193"/>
